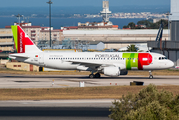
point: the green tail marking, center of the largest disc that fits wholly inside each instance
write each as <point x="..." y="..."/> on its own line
<point x="14" y="30"/>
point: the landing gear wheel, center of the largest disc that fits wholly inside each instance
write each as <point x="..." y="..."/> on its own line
<point x="151" y="77"/>
<point x="91" y="76"/>
<point x="97" y="75"/>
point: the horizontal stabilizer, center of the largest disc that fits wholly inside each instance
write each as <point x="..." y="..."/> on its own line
<point x="18" y="55"/>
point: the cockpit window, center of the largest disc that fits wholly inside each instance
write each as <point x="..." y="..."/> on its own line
<point x="163" y="58"/>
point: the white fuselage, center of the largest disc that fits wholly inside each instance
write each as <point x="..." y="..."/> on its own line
<point x="78" y="60"/>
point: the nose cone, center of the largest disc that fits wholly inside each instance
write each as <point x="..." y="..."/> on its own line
<point x="170" y="64"/>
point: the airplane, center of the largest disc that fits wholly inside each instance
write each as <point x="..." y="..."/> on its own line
<point x="108" y="63"/>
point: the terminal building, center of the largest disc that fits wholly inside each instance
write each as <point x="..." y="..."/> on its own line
<point x="170" y="48"/>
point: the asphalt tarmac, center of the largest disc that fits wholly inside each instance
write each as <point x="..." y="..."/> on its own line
<point x="63" y="81"/>
<point x="66" y="109"/>
<point x="57" y="113"/>
<point x="56" y="109"/>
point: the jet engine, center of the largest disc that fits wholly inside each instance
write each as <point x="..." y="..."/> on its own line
<point x="114" y="71"/>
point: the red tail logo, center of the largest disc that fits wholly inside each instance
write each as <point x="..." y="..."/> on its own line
<point x="23" y="40"/>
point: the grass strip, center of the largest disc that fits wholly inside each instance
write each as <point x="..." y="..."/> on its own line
<point x="108" y="92"/>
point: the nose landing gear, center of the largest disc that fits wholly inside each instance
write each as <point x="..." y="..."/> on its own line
<point x="150" y="75"/>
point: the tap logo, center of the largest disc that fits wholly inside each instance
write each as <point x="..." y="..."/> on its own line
<point x="20" y="39"/>
<point x="137" y="60"/>
<point x="20" y="42"/>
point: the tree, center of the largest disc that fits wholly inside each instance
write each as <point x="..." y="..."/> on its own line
<point x="144" y="22"/>
<point x="131" y="25"/>
<point x="125" y="26"/>
<point x="148" y="104"/>
<point x="148" y="24"/>
<point x="132" y="48"/>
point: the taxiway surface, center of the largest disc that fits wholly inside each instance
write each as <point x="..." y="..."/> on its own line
<point x="56" y="109"/>
<point x="65" y="109"/>
<point x="62" y="81"/>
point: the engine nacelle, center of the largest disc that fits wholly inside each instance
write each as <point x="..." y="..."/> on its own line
<point x="111" y="71"/>
<point x="123" y="72"/>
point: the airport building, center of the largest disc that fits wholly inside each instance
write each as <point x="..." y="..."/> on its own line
<point x="170" y="48"/>
<point x="6" y="41"/>
<point x="37" y="33"/>
<point x="114" y="38"/>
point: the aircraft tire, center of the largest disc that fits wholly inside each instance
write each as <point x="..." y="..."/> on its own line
<point x="151" y="77"/>
<point x="91" y="76"/>
<point x="97" y="75"/>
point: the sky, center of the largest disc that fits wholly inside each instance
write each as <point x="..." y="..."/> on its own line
<point x="42" y="3"/>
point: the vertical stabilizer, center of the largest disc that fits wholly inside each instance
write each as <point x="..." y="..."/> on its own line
<point x="160" y="33"/>
<point x="22" y="42"/>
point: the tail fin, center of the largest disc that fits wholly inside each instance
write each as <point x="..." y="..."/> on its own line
<point x="160" y="32"/>
<point x="22" y="42"/>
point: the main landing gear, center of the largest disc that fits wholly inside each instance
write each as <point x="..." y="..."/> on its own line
<point x="150" y="75"/>
<point x="97" y="75"/>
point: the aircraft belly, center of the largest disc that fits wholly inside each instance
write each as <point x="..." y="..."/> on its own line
<point x="151" y="67"/>
<point x="62" y="65"/>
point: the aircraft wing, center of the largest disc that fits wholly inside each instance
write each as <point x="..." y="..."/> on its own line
<point x="92" y="65"/>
